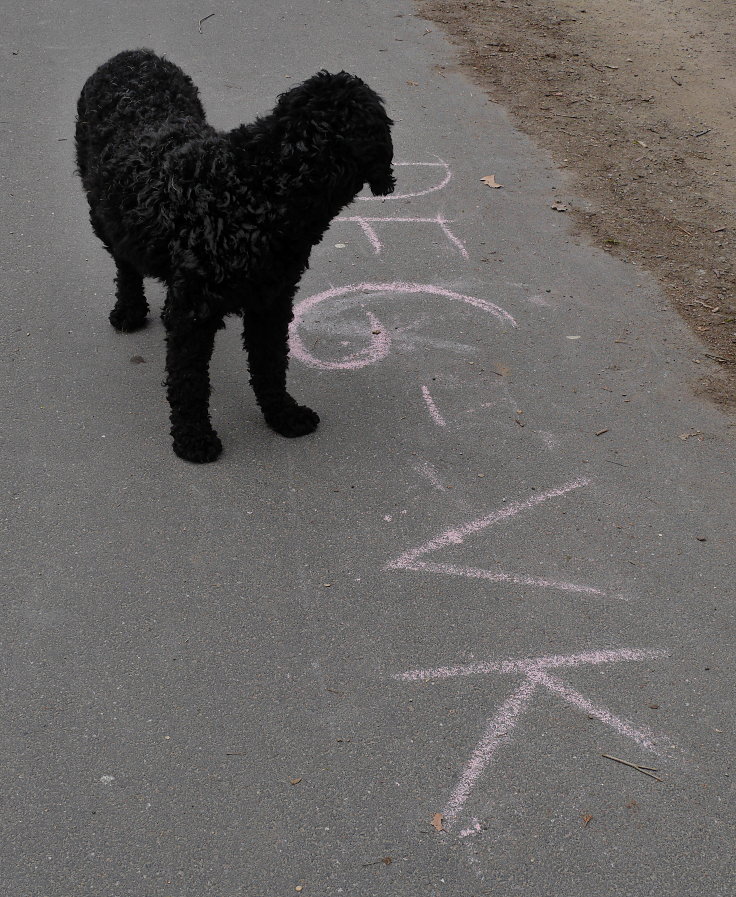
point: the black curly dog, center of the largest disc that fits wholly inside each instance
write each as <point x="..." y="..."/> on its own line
<point x="226" y="220"/>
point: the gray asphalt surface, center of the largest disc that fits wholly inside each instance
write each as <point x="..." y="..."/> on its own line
<point x="201" y="664"/>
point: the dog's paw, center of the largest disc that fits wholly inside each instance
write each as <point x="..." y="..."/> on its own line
<point x="199" y="448"/>
<point x="293" y="420"/>
<point x="125" y="322"/>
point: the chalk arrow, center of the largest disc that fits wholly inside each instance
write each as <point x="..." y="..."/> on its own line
<point x="413" y="560"/>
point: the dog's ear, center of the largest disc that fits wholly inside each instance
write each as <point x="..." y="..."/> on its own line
<point x="303" y="113"/>
<point x="381" y="178"/>
<point x="371" y="147"/>
<point x="367" y="131"/>
<point x="338" y="117"/>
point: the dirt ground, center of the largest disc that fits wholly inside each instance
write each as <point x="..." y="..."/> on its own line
<point x="637" y="99"/>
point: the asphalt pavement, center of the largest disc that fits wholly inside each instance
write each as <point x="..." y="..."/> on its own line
<point x="388" y="658"/>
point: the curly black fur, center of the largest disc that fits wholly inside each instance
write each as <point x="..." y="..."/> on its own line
<point x="226" y="220"/>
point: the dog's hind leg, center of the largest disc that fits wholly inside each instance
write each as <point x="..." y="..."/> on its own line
<point x="266" y="339"/>
<point x="189" y="345"/>
<point x="131" y="308"/>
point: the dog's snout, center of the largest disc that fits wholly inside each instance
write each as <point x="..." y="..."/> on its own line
<point x="382" y="183"/>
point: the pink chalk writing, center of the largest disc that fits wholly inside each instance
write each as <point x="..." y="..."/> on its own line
<point x="410" y="560"/>
<point x="473" y="829"/>
<point x="436" y="416"/>
<point x="428" y="471"/>
<point x="549" y="439"/>
<point x="376" y="243"/>
<point x="535" y="672"/>
<point x="380" y="343"/>
<point x="445" y="180"/>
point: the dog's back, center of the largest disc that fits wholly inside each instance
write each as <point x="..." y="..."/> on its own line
<point x="131" y="93"/>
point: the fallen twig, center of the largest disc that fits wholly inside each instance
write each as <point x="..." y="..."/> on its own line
<point x="647" y="770"/>
<point x="204" y="20"/>
<point x="705" y="305"/>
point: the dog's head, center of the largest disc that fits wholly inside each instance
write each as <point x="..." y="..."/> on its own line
<point x="342" y="111"/>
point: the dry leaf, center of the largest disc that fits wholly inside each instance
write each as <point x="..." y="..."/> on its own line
<point x="490" y="180"/>
<point x="387" y="861"/>
<point x="295" y="781"/>
<point x="437" y="822"/>
<point x="586" y="819"/>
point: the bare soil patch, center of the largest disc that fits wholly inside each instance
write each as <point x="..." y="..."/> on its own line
<point x="638" y="99"/>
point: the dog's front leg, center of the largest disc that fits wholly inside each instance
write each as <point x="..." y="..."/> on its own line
<point x="189" y="344"/>
<point x="266" y="339"/>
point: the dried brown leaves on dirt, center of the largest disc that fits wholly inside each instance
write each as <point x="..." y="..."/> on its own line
<point x="639" y="101"/>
